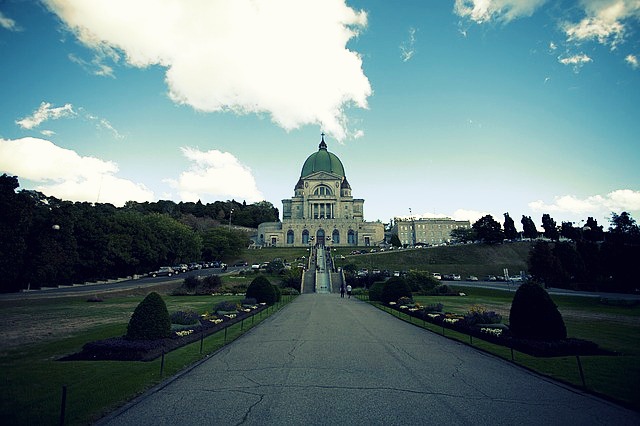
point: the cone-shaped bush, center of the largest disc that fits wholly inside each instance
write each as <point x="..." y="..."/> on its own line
<point x="394" y="289"/>
<point x="150" y="320"/>
<point x="262" y="290"/>
<point x="375" y="292"/>
<point x="533" y="314"/>
<point x="276" y="288"/>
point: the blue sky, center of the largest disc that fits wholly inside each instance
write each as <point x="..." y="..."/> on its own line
<point x="454" y="108"/>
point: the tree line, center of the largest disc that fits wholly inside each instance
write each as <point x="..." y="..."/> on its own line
<point x="47" y="241"/>
<point x="574" y="257"/>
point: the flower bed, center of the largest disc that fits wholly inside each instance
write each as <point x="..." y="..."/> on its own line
<point x="121" y="349"/>
<point x="499" y="334"/>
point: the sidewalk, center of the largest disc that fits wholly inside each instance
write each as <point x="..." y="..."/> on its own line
<point x="324" y="360"/>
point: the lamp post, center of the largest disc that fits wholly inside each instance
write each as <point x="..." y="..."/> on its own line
<point x="230" y="213"/>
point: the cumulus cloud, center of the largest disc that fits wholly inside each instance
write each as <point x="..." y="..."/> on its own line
<point x="633" y="61"/>
<point x="286" y="58"/>
<point x="606" y="21"/>
<point x="44" y="113"/>
<point x="65" y="174"/>
<point x="8" y="23"/>
<point x="615" y="201"/>
<point x="481" y="11"/>
<point x="407" y="48"/>
<point x="217" y="174"/>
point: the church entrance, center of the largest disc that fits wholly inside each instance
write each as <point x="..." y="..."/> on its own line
<point x="320" y="237"/>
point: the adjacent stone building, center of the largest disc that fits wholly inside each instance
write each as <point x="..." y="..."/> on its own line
<point x="430" y="231"/>
<point x="322" y="210"/>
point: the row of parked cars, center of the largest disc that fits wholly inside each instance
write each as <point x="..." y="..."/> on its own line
<point x="167" y="271"/>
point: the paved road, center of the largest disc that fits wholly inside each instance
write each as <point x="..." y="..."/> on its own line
<point x="324" y="360"/>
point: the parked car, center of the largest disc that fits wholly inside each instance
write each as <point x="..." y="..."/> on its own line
<point x="472" y="278"/>
<point x="165" y="271"/>
<point x="437" y="276"/>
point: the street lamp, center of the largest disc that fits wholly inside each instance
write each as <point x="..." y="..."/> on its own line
<point x="230" y="213"/>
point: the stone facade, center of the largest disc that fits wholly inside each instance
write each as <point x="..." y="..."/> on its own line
<point x="322" y="210"/>
<point x="431" y="231"/>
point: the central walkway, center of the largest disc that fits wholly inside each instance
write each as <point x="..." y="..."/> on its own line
<point x="324" y="360"/>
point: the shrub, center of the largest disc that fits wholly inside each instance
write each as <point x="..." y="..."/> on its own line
<point x="180" y="291"/>
<point x="289" y="291"/>
<point x="533" y="314"/>
<point x="211" y="282"/>
<point x="225" y="306"/>
<point x="479" y="315"/>
<point x="394" y="289"/>
<point x="262" y="290"/>
<point x="184" y="317"/>
<point x="375" y="292"/>
<point x="250" y="301"/>
<point x="404" y="300"/>
<point x="150" y="320"/>
<point x="191" y="282"/>
<point x="276" y="288"/>
<point x="442" y="289"/>
<point x="435" y="307"/>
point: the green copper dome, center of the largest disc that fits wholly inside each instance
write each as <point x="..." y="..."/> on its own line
<point x="322" y="161"/>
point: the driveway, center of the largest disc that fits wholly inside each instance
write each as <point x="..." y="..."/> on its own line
<point x="324" y="360"/>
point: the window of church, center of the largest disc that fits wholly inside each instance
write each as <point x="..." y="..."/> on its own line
<point x="290" y="237"/>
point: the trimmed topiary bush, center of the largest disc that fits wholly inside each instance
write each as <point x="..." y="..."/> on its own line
<point x="276" y="288"/>
<point x="262" y="290"/>
<point x="533" y="314"/>
<point x="375" y="292"/>
<point x="150" y="320"/>
<point x="394" y="289"/>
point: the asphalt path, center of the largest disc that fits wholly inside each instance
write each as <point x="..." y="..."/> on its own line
<point x="323" y="360"/>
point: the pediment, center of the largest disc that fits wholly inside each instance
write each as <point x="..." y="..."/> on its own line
<point x="323" y="176"/>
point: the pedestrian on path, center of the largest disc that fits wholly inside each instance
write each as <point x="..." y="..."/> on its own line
<point x="342" y="290"/>
<point x="349" y="290"/>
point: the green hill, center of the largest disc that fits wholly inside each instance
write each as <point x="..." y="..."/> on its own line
<point x="471" y="259"/>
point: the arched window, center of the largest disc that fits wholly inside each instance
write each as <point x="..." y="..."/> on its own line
<point x="289" y="236"/>
<point x="351" y="237"/>
<point x="335" y="237"/>
<point x="305" y="237"/>
<point x="322" y="190"/>
<point x="320" y="237"/>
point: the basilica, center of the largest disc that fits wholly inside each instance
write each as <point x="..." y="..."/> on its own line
<point x="322" y="211"/>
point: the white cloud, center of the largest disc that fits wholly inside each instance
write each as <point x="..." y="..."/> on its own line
<point x="66" y="175"/>
<point x="616" y="201"/>
<point x="605" y="21"/>
<point x="407" y="48"/>
<point x="482" y="11"/>
<point x="8" y="23"/>
<point x="633" y="61"/>
<point x="46" y="112"/>
<point x="552" y="46"/>
<point x="287" y="58"/>
<point x="577" y="61"/>
<point x="217" y="174"/>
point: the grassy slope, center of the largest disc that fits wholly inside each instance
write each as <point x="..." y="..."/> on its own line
<point x="471" y="259"/>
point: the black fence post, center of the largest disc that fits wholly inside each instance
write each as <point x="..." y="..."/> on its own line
<point x="225" y="334"/>
<point x="201" y="339"/>
<point x="584" y="384"/>
<point x="242" y="325"/>
<point x="63" y="404"/>
<point x="512" y="359"/>
<point x="162" y="364"/>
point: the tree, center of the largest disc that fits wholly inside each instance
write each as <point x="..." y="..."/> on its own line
<point x="567" y="230"/>
<point x="543" y="265"/>
<point x="150" y="320"/>
<point x="528" y="227"/>
<point x="623" y="225"/>
<point x="262" y="290"/>
<point x="395" y="288"/>
<point x="421" y="281"/>
<point x="219" y="243"/>
<point x="533" y="314"/>
<point x="550" y="227"/>
<point x="591" y="231"/>
<point x="488" y="230"/>
<point x="510" y="232"/>
<point x="463" y="235"/>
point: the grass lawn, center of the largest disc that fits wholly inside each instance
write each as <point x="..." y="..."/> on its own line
<point x="32" y="378"/>
<point x="611" y="327"/>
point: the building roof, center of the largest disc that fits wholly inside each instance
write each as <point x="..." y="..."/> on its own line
<point x="322" y="161"/>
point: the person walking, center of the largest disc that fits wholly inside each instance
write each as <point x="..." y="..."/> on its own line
<point x="342" y="290"/>
<point x="349" y="290"/>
